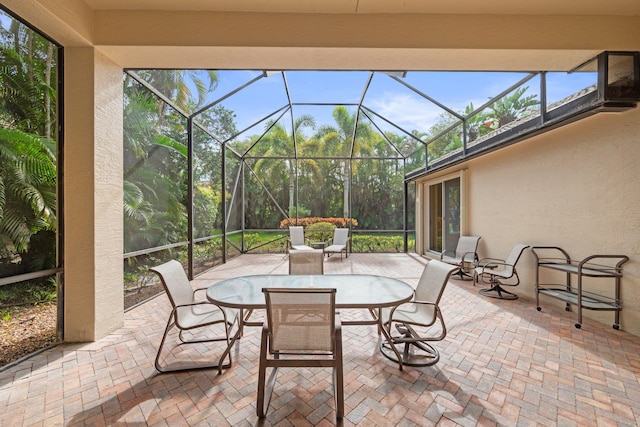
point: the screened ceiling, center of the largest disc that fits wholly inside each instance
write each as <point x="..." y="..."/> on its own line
<point x="408" y="110"/>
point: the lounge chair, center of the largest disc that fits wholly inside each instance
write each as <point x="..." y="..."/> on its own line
<point x="297" y="240"/>
<point x="339" y="243"/>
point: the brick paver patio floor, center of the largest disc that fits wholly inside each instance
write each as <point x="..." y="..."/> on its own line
<point x="502" y="363"/>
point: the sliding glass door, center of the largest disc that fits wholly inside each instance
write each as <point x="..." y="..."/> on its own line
<point x="443" y="215"/>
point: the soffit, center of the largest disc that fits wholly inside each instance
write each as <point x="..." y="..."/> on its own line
<point x="497" y="7"/>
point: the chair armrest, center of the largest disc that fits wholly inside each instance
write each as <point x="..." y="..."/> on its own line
<point x="474" y="257"/>
<point x="491" y="262"/>
<point x="196" y="303"/>
<point x="446" y="252"/>
<point x="199" y="290"/>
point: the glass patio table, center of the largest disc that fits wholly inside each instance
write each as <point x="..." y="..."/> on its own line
<point x="353" y="291"/>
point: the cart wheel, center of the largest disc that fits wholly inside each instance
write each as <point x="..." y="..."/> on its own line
<point x="578" y="325"/>
<point x="616" y="326"/>
<point x="539" y="308"/>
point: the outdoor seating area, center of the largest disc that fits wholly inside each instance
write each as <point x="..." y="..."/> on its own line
<point x="501" y="363"/>
<point x="319" y="213"/>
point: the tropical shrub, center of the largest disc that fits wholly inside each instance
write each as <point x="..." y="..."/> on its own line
<point x="305" y="222"/>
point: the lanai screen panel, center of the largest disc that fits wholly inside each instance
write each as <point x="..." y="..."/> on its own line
<point x="321" y="187"/>
<point x="267" y="191"/>
<point x="256" y="106"/>
<point x="207" y="184"/>
<point x="377" y="197"/>
<point x="562" y="87"/>
<point x="233" y="183"/>
<point x="324" y="131"/>
<point x="326" y="87"/>
<point x="155" y="171"/>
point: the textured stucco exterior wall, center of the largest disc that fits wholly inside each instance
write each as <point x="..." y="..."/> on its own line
<point x="577" y="187"/>
<point x="92" y="196"/>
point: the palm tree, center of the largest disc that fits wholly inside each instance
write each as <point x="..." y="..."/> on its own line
<point x="281" y="144"/>
<point x="512" y="107"/>
<point x="340" y="141"/>
<point x="28" y="174"/>
<point x="27" y="188"/>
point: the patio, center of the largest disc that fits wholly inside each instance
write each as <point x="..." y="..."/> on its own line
<point x="503" y="363"/>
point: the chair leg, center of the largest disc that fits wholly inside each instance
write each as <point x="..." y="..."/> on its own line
<point x="265" y="387"/>
<point x="189" y="367"/>
<point x="408" y="339"/>
<point x="387" y="344"/>
<point x="164" y="337"/>
<point x="338" y="377"/>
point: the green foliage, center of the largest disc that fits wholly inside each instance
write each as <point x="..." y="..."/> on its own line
<point x="137" y="275"/>
<point x="6" y="314"/>
<point x="251" y="240"/>
<point x="305" y="222"/>
<point x="478" y="124"/>
<point x="302" y="211"/>
<point x="28" y="293"/>
<point x="320" y="231"/>
<point x="28" y="174"/>
<point x="513" y="106"/>
<point x="377" y="243"/>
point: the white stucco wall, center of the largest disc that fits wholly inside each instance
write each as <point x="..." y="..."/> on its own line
<point x="577" y="187"/>
<point x="93" y="192"/>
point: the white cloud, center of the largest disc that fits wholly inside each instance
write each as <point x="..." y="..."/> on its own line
<point x="408" y="111"/>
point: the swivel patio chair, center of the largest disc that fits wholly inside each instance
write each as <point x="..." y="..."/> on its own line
<point x="466" y="253"/>
<point x="297" y="240"/>
<point x="414" y="320"/>
<point x="339" y="243"/>
<point x="188" y="315"/>
<point x="492" y="270"/>
<point x="306" y="261"/>
<point x="302" y="329"/>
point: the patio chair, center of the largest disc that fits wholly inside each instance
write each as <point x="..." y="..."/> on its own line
<point x="491" y="270"/>
<point x="466" y="252"/>
<point x="339" y="243"/>
<point x="297" y="240"/>
<point x="306" y="262"/>
<point x="302" y="329"/>
<point x="414" y="320"/>
<point x="187" y="314"/>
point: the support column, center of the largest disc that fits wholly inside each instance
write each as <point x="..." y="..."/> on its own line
<point x="93" y="188"/>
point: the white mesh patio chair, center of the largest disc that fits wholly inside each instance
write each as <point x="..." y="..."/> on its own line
<point x="188" y="314"/>
<point x="339" y="243"/>
<point x="466" y="253"/>
<point x="297" y="240"/>
<point x="492" y="270"/>
<point x="414" y="321"/>
<point x="302" y="329"/>
<point x="306" y="262"/>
